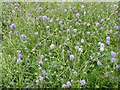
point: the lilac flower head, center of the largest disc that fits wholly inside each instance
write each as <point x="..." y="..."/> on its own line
<point x="110" y="31"/>
<point x="83" y="82"/>
<point x="13" y="26"/>
<point x="77" y="15"/>
<point x="82" y="6"/>
<point x="91" y="57"/>
<point x="99" y="63"/>
<point x="65" y="10"/>
<point x="41" y="62"/>
<point x="41" y="17"/>
<point x="76" y="47"/>
<point x="41" y="56"/>
<point x="107" y="42"/>
<point x="20" y="55"/>
<point x="102" y="45"/>
<point x="41" y="78"/>
<point x="102" y="20"/>
<point x="97" y="24"/>
<point x="11" y="83"/>
<point x="99" y="43"/>
<point x="102" y="28"/>
<point x="15" y="8"/>
<point x="113" y="54"/>
<point x="117" y="66"/>
<point x="72" y="57"/>
<point x="88" y="32"/>
<point x="77" y="23"/>
<point x="108" y="38"/>
<point x="51" y="20"/>
<point x="60" y="22"/>
<point x="113" y="60"/>
<point x="23" y="36"/>
<point x="68" y="30"/>
<point x="68" y="84"/>
<point x="19" y="61"/>
<point x="44" y="72"/>
<point x="44" y="17"/>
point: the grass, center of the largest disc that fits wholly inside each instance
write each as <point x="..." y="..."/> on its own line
<point x="56" y="61"/>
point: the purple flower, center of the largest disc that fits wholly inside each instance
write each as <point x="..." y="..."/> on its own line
<point x="102" y="45"/>
<point x="41" y="56"/>
<point x="76" y="47"/>
<point x="82" y="6"/>
<point x="97" y="24"/>
<point x="91" y="57"/>
<point x="13" y="26"/>
<point x="41" y="17"/>
<point x="15" y="8"/>
<point x="60" y="22"/>
<point x="23" y="36"/>
<point x="99" y="43"/>
<point x="44" y="17"/>
<point x="68" y="30"/>
<point x="83" y="82"/>
<point x="107" y="42"/>
<point x="117" y="66"/>
<point x="68" y="51"/>
<point x="20" y="55"/>
<point x="113" y="54"/>
<point x="51" y="20"/>
<point x="77" y="23"/>
<point x="11" y="83"/>
<point x="44" y="72"/>
<point x="102" y="20"/>
<point x="41" y="78"/>
<point x="72" y="57"/>
<point x="113" y="60"/>
<point x="101" y="49"/>
<point x="99" y="63"/>
<point x="41" y="62"/>
<point x="68" y="84"/>
<point x="19" y="61"/>
<point x="88" y="32"/>
<point x="65" y="10"/>
<point x="108" y="38"/>
<point x="102" y="28"/>
<point x="77" y="15"/>
<point x="110" y="31"/>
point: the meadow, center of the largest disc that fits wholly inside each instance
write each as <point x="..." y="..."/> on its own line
<point x="60" y="45"/>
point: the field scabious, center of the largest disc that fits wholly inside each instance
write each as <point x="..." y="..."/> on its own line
<point x="60" y="45"/>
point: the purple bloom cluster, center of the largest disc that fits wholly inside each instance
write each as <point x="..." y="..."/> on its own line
<point x="68" y="84"/>
<point x="99" y="63"/>
<point x="82" y="82"/>
<point x="23" y="36"/>
<point x="72" y="57"/>
<point x="13" y="26"/>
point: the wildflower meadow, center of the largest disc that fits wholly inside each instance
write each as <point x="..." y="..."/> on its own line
<point x="60" y="45"/>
